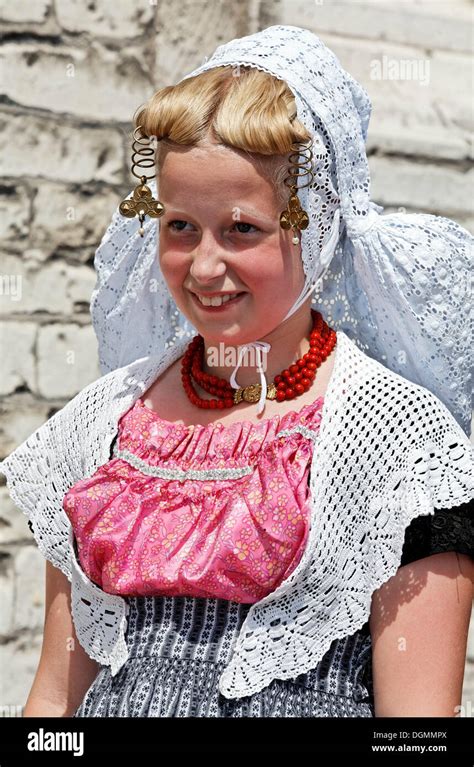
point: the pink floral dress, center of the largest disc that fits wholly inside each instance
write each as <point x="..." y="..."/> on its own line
<point x="191" y="526"/>
<point x="206" y="511"/>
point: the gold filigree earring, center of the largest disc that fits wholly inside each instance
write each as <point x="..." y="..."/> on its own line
<point x="294" y="217"/>
<point x="142" y="202"/>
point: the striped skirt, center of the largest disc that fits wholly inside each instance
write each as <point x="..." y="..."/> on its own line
<point x="179" y="647"/>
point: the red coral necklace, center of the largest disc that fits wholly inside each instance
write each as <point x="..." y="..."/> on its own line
<point x="290" y="383"/>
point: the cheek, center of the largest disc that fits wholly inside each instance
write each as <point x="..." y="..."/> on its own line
<point x="173" y="264"/>
<point x="270" y="265"/>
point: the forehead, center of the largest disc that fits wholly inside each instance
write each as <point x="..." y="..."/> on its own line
<point x="218" y="171"/>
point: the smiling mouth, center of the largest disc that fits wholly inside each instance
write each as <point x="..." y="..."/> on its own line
<point x="217" y="302"/>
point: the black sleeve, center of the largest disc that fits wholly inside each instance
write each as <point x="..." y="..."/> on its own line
<point x="113" y="445"/>
<point x="444" y="530"/>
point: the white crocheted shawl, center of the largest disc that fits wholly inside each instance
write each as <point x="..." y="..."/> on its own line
<point x="387" y="451"/>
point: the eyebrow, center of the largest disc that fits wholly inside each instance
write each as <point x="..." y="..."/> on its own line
<point x="257" y="214"/>
<point x="243" y="211"/>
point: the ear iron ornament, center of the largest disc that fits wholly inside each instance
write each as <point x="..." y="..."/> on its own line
<point x="142" y="202"/>
<point x="294" y="217"/>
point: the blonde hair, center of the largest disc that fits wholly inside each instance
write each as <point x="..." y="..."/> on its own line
<point x="251" y="111"/>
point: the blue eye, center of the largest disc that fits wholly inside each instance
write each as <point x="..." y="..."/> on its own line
<point x="171" y="225"/>
<point x="242" y="223"/>
<point x="176" y="221"/>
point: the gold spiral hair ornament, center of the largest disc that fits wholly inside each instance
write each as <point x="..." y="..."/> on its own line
<point x="142" y="202"/>
<point x="294" y="217"/>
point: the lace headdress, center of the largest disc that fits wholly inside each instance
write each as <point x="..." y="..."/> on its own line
<point x="397" y="284"/>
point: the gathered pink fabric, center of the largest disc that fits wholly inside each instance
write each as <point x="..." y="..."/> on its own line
<point x="234" y="538"/>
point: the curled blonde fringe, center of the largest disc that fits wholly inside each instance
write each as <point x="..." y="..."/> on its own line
<point x="239" y="107"/>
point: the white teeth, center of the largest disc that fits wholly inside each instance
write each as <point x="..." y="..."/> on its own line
<point x="216" y="300"/>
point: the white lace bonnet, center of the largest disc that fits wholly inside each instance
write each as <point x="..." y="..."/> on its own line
<point x="397" y="284"/>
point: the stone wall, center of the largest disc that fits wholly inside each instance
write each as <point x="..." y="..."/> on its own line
<point x="73" y="74"/>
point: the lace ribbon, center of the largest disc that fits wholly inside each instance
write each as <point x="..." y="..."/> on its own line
<point x="259" y="346"/>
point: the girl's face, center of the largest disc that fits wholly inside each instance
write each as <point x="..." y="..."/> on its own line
<point x="220" y="233"/>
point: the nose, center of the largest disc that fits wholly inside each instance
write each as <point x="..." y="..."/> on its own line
<point x="208" y="260"/>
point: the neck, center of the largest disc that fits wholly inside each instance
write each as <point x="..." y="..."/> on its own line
<point x="289" y="342"/>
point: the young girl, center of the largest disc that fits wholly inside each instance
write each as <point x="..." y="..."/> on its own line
<point x="317" y="561"/>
